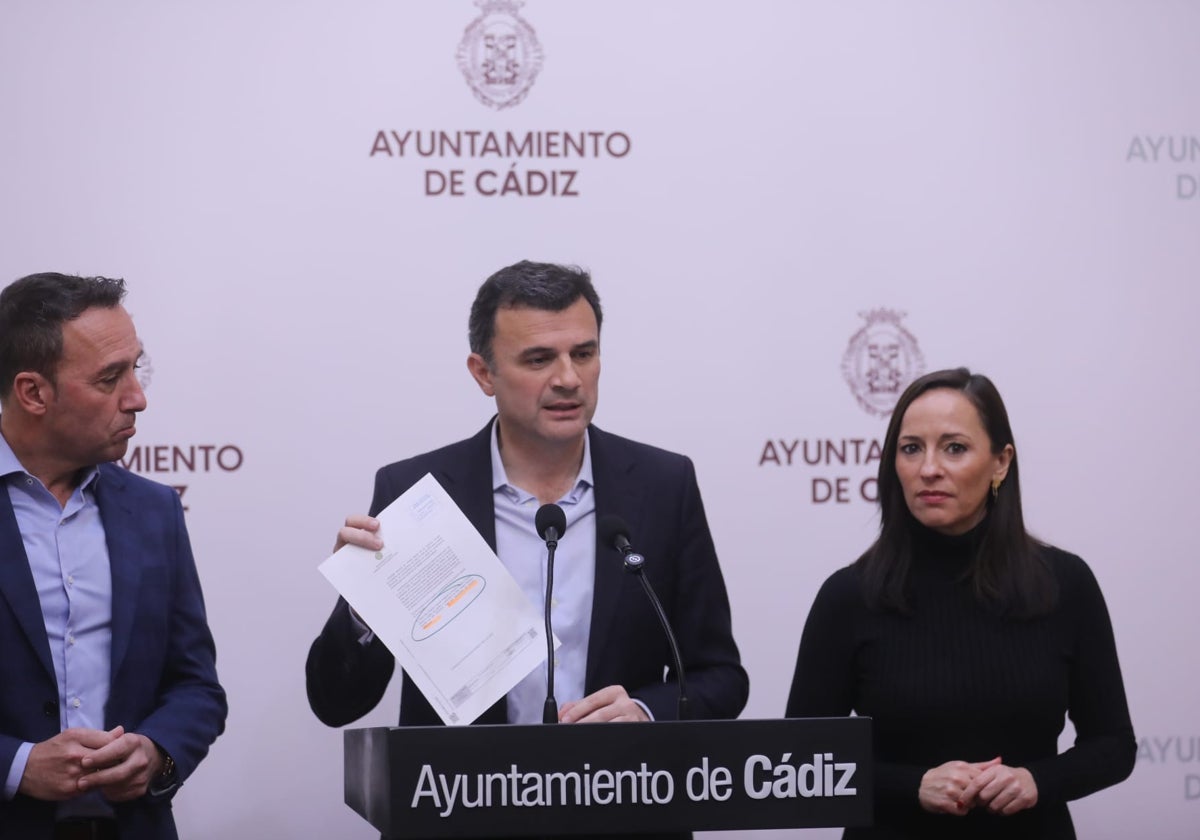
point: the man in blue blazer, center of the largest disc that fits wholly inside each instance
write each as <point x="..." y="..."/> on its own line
<point x="535" y="347"/>
<point x="108" y="687"/>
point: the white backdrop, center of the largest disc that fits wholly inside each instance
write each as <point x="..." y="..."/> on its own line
<point x="1020" y="179"/>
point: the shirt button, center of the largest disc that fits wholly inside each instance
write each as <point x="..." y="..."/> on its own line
<point x="75" y="703"/>
<point x="70" y="580"/>
<point x="70" y="640"/>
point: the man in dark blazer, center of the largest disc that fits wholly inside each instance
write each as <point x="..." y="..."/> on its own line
<point x="535" y="347"/>
<point x="108" y="687"/>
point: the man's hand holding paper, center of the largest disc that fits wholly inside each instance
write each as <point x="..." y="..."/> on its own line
<point x="428" y="585"/>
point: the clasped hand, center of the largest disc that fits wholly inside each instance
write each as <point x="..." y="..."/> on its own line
<point x="958" y="786"/>
<point x="119" y="764"/>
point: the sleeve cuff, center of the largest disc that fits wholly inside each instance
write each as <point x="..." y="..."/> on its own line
<point x="16" y="771"/>
<point x="166" y="781"/>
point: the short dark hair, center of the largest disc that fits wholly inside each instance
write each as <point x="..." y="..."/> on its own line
<point x="1008" y="572"/>
<point x="32" y="312"/>
<point x="544" y="286"/>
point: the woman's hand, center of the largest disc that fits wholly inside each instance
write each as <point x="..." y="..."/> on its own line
<point x="1002" y="790"/>
<point x="943" y="788"/>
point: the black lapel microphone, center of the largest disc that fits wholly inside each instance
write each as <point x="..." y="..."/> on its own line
<point x="614" y="531"/>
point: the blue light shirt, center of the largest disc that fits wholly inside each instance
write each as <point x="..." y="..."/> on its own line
<point x="523" y="553"/>
<point x="68" y="556"/>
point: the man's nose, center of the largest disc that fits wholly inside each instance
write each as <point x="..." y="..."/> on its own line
<point x="565" y="374"/>
<point x="134" y="398"/>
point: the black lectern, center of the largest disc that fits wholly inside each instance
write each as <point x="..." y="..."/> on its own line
<point x="498" y="781"/>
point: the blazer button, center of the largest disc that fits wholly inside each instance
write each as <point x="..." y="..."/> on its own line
<point x="50" y="710"/>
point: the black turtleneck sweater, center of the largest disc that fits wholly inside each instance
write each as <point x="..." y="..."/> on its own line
<point x="955" y="681"/>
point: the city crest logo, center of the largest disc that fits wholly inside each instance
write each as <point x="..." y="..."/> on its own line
<point x="499" y="54"/>
<point x="881" y="359"/>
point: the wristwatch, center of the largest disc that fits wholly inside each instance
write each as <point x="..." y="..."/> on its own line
<point x="168" y="766"/>
<point x="167" y="779"/>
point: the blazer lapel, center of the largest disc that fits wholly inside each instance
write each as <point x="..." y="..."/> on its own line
<point x="120" y="527"/>
<point x="468" y="481"/>
<point x="617" y="493"/>
<point x="17" y="586"/>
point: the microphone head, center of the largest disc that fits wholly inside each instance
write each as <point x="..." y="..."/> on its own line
<point x="550" y="516"/>
<point x="613" y="530"/>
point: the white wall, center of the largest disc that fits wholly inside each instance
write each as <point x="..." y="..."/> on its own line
<point x="989" y="169"/>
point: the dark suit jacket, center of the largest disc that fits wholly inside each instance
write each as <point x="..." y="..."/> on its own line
<point x="163" y="678"/>
<point x="654" y="491"/>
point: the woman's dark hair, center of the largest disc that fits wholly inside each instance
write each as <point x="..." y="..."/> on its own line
<point x="1008" y="572"/>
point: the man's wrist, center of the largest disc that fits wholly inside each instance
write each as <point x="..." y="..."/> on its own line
<point x="167" y="770"/>
<point x="167" y="777"/>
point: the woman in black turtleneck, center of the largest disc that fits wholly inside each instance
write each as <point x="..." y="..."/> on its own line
<point x="964" y="639"/>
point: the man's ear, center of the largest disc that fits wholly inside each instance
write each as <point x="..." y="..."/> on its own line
<point x="31" y="391"/>
<point x="481" y="373"/>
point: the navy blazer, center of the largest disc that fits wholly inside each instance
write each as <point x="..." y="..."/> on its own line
<point x="655" y="491"/>
<point x="163" y="679"/>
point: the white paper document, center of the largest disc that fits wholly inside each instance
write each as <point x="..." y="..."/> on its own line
<point x="443" y="603"/>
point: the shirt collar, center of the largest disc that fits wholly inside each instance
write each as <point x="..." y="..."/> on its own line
<point x="8" y="460"/>
<point x="500" y="477"/>
<point x="11" y="465"/>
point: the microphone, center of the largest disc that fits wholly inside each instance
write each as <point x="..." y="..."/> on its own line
<point x="550" y="523"/>
<point x="613" y="531"/>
